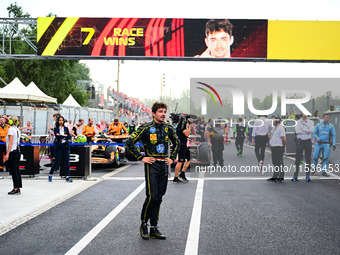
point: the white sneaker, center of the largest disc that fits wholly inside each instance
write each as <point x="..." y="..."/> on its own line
<point x="261" y="165"/>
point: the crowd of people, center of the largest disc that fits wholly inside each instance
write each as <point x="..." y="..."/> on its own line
<point x="91" y="129"/>
<point x="128" y="106"/>
<point x="262" y="132"/>
<point x="62" y="132"/>
<point x="216" y="132"/>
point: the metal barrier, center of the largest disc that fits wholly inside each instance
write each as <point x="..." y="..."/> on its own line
<point x="80" y="157"/>
<point x="42" y="116"/>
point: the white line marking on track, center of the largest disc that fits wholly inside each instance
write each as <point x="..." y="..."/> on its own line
<point x="78" y="247"/>
<point x="125" y="178"/>
<point x="195" y="222"/>
<point x="116" y="171"/>
<point x="217" y="178"/>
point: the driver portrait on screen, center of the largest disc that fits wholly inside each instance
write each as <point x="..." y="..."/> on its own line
<point x="218" y="39"/>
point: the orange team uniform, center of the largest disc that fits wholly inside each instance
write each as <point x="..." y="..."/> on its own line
<point x="3" y="133"/>
<point x="88" y="129"/>
<point x="117" y="128"/>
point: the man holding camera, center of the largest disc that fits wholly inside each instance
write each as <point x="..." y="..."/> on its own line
<point x="183" y="131"/>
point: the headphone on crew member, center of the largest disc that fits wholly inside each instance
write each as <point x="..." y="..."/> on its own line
<point x="13" y="120"/>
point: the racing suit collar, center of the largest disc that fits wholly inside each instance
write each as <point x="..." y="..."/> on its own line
<point x="155" y="123"/>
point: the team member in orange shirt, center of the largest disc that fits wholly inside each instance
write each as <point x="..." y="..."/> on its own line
<point x="89" y="130"/>
<point x="116" y="127"/>
<point x="3" y="133"/>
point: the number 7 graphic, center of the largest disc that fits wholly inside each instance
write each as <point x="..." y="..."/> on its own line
<point x="89" y="30"/>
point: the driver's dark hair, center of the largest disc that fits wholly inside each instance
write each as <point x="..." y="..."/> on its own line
<point x="158" y="105"/>
<point x="326" y="114"/>
<point x="216" y="25"/>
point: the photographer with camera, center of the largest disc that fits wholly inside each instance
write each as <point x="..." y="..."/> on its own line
<point x="183" y="131"/>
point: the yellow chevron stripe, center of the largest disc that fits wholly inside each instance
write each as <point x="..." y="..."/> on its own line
<point x="59" y="36"/>
<point x="43" y="24"/>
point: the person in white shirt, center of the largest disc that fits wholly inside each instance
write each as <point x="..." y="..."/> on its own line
<point x="277" y="143"/>
<point x="260" y="138"/>
<point x="28" y="130"/>
<point x="303" y="129"/>
<point x="13" y="154"/>
<point x="69" y="125"/>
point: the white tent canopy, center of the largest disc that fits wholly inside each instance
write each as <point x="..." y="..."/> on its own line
<point x="16" y="90"/>
<point x="70" y="101"/>
<point x="33" y="88"/>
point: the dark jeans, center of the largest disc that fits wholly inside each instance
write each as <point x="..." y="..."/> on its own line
<point x="277" y="159"/>
<point x="2" y="152"/>
<point x="156" y="181"/>
<point x="303" y="145"/>
<point x="61" y="150"/>
<point x="239" y="143"/>
<point x="260" y="146"/>
<point x="13" y="164"/>
<point x="217" y="148"/>
<point x="250" y="134"/>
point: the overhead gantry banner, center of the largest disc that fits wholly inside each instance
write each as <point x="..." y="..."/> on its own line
<point x="189" y="38"/>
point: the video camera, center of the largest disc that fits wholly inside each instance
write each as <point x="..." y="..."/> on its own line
<point x="182" y="119"/>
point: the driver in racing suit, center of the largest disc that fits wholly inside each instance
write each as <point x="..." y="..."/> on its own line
<point x="322" y="134"/>
<point x="155" y="137"/>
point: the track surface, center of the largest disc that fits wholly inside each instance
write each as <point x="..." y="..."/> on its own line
<point x="215" y="213"/>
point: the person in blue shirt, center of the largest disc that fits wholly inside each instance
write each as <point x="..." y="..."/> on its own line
<point x="324" y="134"/>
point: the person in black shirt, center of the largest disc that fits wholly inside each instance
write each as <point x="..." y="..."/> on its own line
<point x="77" y="128"/>
<point x="132" y="127"/>
<point x="215" y="136"/>
<point x="200" y="129"/>
<point x="240" y="131"/>
<point x="61" y="148"/>
<point x="184" y="152"/>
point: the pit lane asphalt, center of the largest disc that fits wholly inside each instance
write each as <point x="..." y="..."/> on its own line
<point x="241" y="214"/>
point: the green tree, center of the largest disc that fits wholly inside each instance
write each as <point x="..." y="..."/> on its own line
<point x="56" y="78"/>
